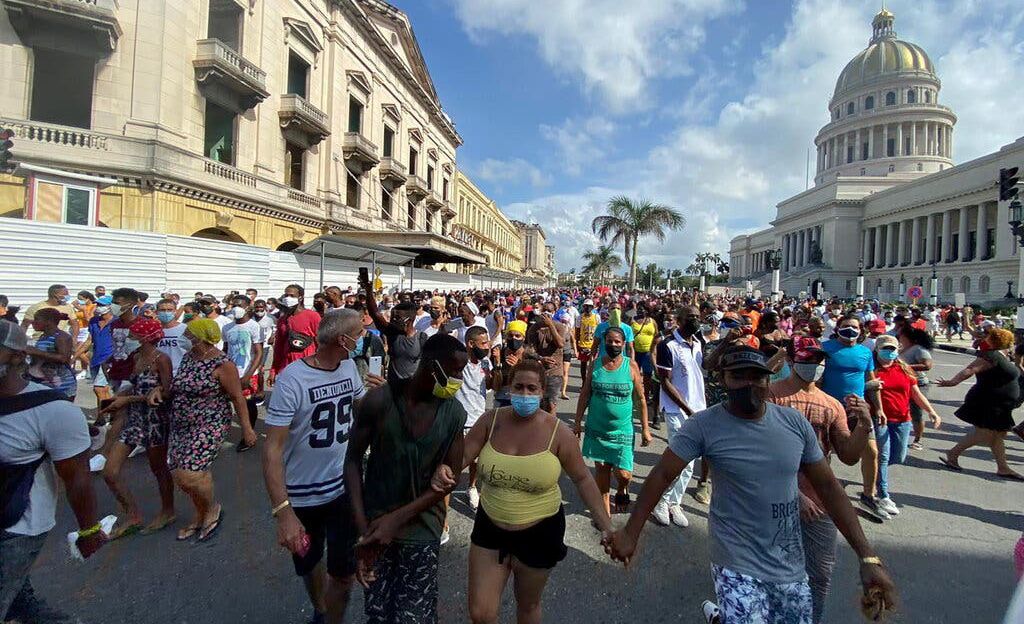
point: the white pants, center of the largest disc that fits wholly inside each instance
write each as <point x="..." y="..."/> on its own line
<point x="674" y="494"/>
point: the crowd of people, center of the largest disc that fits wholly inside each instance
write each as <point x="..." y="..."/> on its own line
<point x="376" y="404"/>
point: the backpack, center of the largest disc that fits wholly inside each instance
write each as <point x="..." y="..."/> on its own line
<point x="16" y="479"/>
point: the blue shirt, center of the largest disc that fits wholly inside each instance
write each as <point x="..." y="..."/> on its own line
<point x="603" y="327"/>
<point x="102" y="341"/>
<point x="845" y="368"/>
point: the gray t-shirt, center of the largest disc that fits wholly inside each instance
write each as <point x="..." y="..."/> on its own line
<point x="755" y="507"/>
<point x="916" y="354"/>
<point x="57" y="429"/>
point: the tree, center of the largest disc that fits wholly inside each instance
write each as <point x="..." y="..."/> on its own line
<point x="602" y="262"/>
<point x="651" y="275"/>
<point x="628" y="220"/>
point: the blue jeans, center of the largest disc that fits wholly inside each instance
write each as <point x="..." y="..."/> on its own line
<point x="892" y="441"/>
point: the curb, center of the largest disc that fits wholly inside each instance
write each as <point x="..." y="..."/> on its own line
<point x="956" y="349"/>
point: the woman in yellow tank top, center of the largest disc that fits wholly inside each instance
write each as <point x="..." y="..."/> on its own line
<point x="520" y="524"/>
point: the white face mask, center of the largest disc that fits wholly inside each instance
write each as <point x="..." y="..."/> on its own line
<point x="237" y="313"/>
<point x="809" y="371"/>
<point x="289" y="302"/>
<point x="115" y="309"/>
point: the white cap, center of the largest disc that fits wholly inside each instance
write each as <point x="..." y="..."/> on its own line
<point x="589" y="302"/>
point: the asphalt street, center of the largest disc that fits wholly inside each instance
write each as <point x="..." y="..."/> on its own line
<point x="950" y="551"/>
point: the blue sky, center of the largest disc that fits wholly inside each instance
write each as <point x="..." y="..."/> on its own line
<point x="705" y="105"/>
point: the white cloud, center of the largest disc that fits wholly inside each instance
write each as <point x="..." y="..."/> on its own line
<point x="580" y="142"/>
<point x="615" y="47"/>
<point x="512" y="171"/>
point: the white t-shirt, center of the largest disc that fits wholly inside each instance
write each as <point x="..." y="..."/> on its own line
<point x="238" y="340"/>
<point x="58" y="429"/>
<point x="473" y="391"/>
<point x="458" y="327"/>
<point x="222" y="321"/>
<point x="268" y="325"/>
<point x="492" y="327"/>
<point x="174" y="344"/>
<point x="316" y="406"/>
<point x="422" y="322"/>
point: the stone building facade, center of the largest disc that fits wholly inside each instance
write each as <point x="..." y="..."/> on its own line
<point x="481" y="224"/>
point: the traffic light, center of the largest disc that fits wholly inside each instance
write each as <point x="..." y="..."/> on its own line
<point x="1008" y="183"/>
<point x="5" y="149"/>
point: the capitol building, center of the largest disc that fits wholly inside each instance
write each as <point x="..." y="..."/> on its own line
<point x="887" y="199"/>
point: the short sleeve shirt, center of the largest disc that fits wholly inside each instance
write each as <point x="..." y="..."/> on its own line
<point x="473" y="391"/>
<point x="238" y="341"/>
<point x="897" y="385"/>
<point x="65" y="308"/>
<point x="685" y="364"/>
<point x="755" y="512"/>
<point x="845" y="368"/>
<point x="602" y="329"/>
<point x="588" y="327"/>
<point x="175" y="345"/>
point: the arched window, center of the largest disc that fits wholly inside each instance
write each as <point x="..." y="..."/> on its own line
<point x="911" y="96"/>
<point x="288" y="246"/>
<point x="947" y="285"/>
<point x="888" y="286"/>
<point x="892" y="168"/>
<point x="984" y="284"/>
<point x="890" y="98"/>
<point x="965" y="284"/>
<point x="849" y="108"/>
<point x="869" y="102"/>
<point x="928" y="97"/>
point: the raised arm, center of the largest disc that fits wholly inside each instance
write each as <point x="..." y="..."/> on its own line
<point x="371" y="305"/>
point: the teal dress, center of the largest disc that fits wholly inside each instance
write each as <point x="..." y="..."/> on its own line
<point x="609" y="432"/>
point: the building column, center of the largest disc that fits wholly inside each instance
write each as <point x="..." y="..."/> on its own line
<point x="891" y="242"/>
<point x="901" y="248"/>
<point x="879" y="258"/>
<point x="982" y="231"/>
<point x="784" y="263"/>
<point x="899" y="139"/>
<point x="964" y="241"/>
<point x="801" y="246"/>
<point x="856" y="150"/>
<point x="865" y="254"/>
<point x="846" y="143"/>
<point x="929" y="240"/>
<point x="915" y="242"/>
<point x="950" y="142"/>
<point x="806" y="259"/>
<point x="871" y="142"/>
<point x="944" y="253"/>
<point x="885" y="140"/>
<point x="913" y="138"/>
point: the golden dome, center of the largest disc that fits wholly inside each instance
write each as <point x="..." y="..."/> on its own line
<point x="884" y="55"/>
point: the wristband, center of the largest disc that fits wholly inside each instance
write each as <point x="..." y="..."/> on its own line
<point x="275" y="510"/>
<point x="871" y="560"/>
<point x="93" y="530"/>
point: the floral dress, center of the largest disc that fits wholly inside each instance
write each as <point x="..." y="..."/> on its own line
<point x="201" y="414"/>
<point x="145" y="425"/>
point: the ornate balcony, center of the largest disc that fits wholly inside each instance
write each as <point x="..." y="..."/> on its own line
<point x="304" y="123"/>
<point x="392" y="172"/>
<point x="85" y="26"/>
<point x="416" y="188"/>
<point x="434" y="201"/>
<point x="227" y="78"/>
<point x="360" y="153"/>
<point x="447" y="211"/>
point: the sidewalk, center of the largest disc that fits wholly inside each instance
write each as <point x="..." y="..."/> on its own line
<point x="956" y="345"/>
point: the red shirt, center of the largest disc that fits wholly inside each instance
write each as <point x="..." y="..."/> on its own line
<point x="305" y="322"/>
<point x="920" y="324"/>
<point x="121" y="364"/>
<point x="896" y="389"/>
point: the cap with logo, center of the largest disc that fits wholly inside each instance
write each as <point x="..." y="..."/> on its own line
<point x="745" y="358"/>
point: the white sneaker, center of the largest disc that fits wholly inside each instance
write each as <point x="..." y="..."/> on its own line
<point x="82" y="375"/>
<point x="96" y="463"/>
<point x="679" y="519"/>
<point x="712" y="613"/>
<point x="474" y="497"/>
<point x="138" y="450"/>
<point x="886" y="504"/>
<point x="99" y="438"/>
<point x="661" y="514"/>
<point x="445" y="536"/>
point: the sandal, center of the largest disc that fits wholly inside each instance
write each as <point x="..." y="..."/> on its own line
<point x="187" y="533"/>
<point x="125" y="531"/>
<point x="622" y="502"/>
<point x="950" y="464"/>
<point x="209" y="530"/>
<point x="158" y="526"/>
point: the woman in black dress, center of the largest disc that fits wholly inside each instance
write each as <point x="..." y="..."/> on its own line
<point x="989" y="403"/>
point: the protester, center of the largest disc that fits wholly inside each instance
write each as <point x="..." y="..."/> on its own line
<point x="472" y="394"/>
<point x="645" y="328"/>
<point x="510" y="354"/>
<point x="57" y="298"/>
<point x="245" y="349"/>
<point x="915" y="351"/>
<point x="585" y="329"/>
<point x="173" y="343"/>
<point x="50" y="358"/>
<point x="295" y="337"/>
<point x="546" y="337"/>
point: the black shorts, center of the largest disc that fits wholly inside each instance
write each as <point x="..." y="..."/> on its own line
<point x="541" y="546"/>
<point x="331" y="523"/>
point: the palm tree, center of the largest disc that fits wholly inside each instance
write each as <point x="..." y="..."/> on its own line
<point x="601" y="262"/>
<point x="628" y="220"/>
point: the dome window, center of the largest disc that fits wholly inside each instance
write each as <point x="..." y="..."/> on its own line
<point x="869" y="102"/>
<point x="890" y="98"/>
<point x="849" y="108"/>
<point x="911" y="96"/>
<point x="928" y="97"/>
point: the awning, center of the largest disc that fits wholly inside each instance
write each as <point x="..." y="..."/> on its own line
<point x="342" y="248"/>
<point x="427" y="247"/>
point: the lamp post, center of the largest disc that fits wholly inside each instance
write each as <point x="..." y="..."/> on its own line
<point x="878" y="290"/>
<point x="1017" y="226"/>
<point x="860" y="279"/>
<point x="903" y="288"/>
<point x="933" y="295"/>
<point x="774" y="262"/>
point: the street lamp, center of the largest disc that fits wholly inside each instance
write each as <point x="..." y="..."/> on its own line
<point x="934" y="294"/>
<point x="1017" y="226"/>
<point x="860" y="279"/>
<point x="774" y="262"/>
<point x="903" y="288"/>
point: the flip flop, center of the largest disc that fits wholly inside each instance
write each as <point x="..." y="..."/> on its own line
<point x="210" y="530"/>
<point x="949" y="464"/>
<point x="125" y="531"/>
<point x="149" y="530"/>
<point x="187" y="533"/>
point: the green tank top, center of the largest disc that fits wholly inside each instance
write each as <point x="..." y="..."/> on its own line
<point x="400" y="466"/>
<point x="610" y="413"/>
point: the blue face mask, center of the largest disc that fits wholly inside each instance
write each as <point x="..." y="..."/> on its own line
<point x="887" y="355"/>
<point x="165" y="317"/>
<point x="359" y="348"/>
<point x="525" y="405"/>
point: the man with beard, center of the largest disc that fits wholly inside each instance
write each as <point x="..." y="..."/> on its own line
<point x="758" y="450"/>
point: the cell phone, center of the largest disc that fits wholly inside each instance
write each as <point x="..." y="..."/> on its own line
<point x="364" y="275"/>
<point x="304" y="548"/>
<point x="376" y="364"/>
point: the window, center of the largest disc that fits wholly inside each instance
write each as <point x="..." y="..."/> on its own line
<point x="984" y="284"/>
<point x="389" y="141"/>
<point x="219" y="134"/>
<point x="864" y="152"/>
<point x="385" y="204"/>
<point x="869" y="102"/>
<point x="938" y="249"/>
<point x="849" y="108"/>
<point x="225" y="23"/>
<point x="413" y="160"/>
<point x="890" y="147"/>
<point x="62" y="88"/>
<point x="911" y="96"/>
<point x="444" y="189"/>
<point x="355" y="115"/>
<point x="430" y="177"/>
<point x="351" y="190"/>
<point x="947" y="285"/>
<point x="294" y="156"/>
<point x="298" y="75"/>
<point x="906" y="146"/>
<point x="849" y="154"/>
<point x="965" y="284"/>
<point x="928" y="97"/>
<point x="62" y="203"/>
<point x="890" y="98"/>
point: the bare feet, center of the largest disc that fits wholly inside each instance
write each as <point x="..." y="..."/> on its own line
<point x="159" y="523"/>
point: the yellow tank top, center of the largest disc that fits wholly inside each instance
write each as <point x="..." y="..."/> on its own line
<point x="588" y="325"/>
<point x="519" y="489"/>
<point x="643" y="335"/>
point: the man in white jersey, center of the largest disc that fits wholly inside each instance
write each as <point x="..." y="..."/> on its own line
<point x="174" y="343"/>
<point x="308" y="422"/>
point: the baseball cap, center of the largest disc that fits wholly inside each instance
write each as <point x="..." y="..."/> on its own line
<point x="806" y="349"/>
<point x="877" y="325"/>
<point x="588" y="302"/>
<point x="745" y="357"/>
<point x="883" y="342"/>
<point x="105" y="300"/>
<point x="12" y="336"/>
